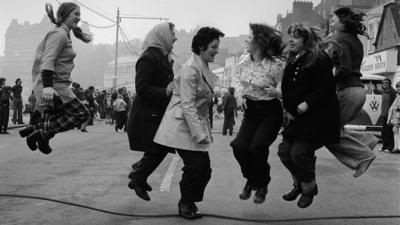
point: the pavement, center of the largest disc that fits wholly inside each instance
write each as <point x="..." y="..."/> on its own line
<point x="89" y="170"/>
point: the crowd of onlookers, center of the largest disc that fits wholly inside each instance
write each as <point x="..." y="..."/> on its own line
<point x="110" y="104"/>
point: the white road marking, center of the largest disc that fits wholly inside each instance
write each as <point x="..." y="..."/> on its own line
<point x="165" y="185"/>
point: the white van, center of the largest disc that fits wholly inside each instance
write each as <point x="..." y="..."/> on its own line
<point x="370" y="119"/>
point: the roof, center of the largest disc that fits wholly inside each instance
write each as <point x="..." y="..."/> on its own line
<point x="125" y="59"/>
<point x="395" y="11"/>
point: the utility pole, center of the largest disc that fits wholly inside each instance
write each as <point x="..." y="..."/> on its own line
<point x="116" y="52"/>
<point x="115" y="78"/>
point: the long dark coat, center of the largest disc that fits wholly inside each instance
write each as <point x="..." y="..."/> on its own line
<point x="315" y="85"/>
<point x="153" y="74"/>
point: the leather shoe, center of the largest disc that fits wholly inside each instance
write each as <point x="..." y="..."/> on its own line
<point x="246" y="193"/>
<point x="140" y="190"/>
<point x="307" y="198"/>
<point x="187" y="211"/>
<point x="146" y="185"/>
<point x="292" y="195"/>
<point x="26" y="131"/>
<point x="259" y="196"/>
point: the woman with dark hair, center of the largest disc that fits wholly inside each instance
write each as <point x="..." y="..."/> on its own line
<point x="154" y="85"/>
<point x="186" y="126"/>
<point x="58" y="107"/>
<point x="346" y="51"/>
<point x="309" y="98"/>
<point x="260" y="78"/>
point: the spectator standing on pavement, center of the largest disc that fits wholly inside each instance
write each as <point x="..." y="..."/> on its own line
<point x="186" y="126"/>
<point x="90" y="104"/>
<point x="355" y="149"/>
<point x="394" y="120"/>
<point x="61" y="110"/>
<point x="260" y="75"/>
<point x="230" y="106"/>
<point x="120" y="107"/>
<point x="5" y="97"/>
<point x="154" y="86"/>
<point x="17" y="102"/>
<point x="100" y="100"/>
<point x="388" y="97"/>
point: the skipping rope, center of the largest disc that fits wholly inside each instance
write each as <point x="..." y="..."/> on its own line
<point x="204" y="215"/>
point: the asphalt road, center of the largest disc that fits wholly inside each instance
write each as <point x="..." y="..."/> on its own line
<point x="91" y="169"/>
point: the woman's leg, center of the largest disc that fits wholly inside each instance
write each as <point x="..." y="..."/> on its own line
<point x="352" y="149"/>
<point x="304" y="159"/>
<point x="396" y="137"/>
<point x="196" y="174"/>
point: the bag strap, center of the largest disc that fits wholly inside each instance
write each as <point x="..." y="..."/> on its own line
<point x="204" y="78"/>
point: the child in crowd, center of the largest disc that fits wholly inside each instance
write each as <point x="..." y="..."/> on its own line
<point x="119" y="106"/>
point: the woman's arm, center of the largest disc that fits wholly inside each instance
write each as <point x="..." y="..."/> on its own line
<point x="188" y="86"/>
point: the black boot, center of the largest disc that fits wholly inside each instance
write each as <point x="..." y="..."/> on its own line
<point x="36" y="139"/>
<point x="140" y="190"/>
<point x="26" y="131"/>
<point x="292" y="195"/>
<point x="307" y="198"/>
<point x="146" y="185"/>
<point x="259" y="196"/>
<point x="187" y="211"/>
<point x="246" y="193"/>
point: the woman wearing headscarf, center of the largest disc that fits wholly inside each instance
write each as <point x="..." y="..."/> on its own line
<point x="154" y="86"/>
<point x="57" y="107"/>
<point x="261" y="73"/>
<point x="355" y="149"/>
<point x="309" y="98"/>
<point x="186" y="126"/>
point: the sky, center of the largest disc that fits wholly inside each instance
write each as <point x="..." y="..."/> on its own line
<point x="230" y="16"/>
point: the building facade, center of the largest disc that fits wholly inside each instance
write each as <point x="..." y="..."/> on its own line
<point x="126" y="73"/>
<point x="384" y="57"/>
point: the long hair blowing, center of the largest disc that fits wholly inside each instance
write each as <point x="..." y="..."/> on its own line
<point x="268" y="39"/>
<point x="352" y="21"/>
<point x="62" y="13"/>
<point x="312" y="40"/>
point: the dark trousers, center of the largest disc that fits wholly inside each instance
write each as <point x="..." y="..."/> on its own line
<point x="259" y="129"/>
<point x="299" y="158"/>
<point x="17" y="111"/>
<point x="211" y="115"/>
<point x="229" y="121"/>
<point x="387" y="135"/>
<point x="4" y="114"/>
<point x="146" y="165"/>
<point x="196" y="174"/>
<point x="121" y="118"/>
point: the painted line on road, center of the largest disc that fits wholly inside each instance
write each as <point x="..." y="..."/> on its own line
<point x="166" y="184"/>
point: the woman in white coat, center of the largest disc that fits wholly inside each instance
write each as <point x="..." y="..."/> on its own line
<point x="186" y="126"/>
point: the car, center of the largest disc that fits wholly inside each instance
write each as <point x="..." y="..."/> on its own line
<point x="370" y="118"/>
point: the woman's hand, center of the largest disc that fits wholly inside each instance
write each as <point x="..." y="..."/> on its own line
<point x="203" y="140"/>
<point x="302" y="107"/>
<point x="170" y="88"/>
<point x="271" y="91"/>
<point x="48" y="94"/>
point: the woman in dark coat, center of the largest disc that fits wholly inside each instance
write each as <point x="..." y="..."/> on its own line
<point x="309" y="98"/>
<point x="154" y="86"/>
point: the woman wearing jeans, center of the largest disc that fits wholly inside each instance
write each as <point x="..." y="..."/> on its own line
<point x="355" y="148"/>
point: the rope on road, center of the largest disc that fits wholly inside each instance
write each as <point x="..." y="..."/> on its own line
<point x="206" y="215"/>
